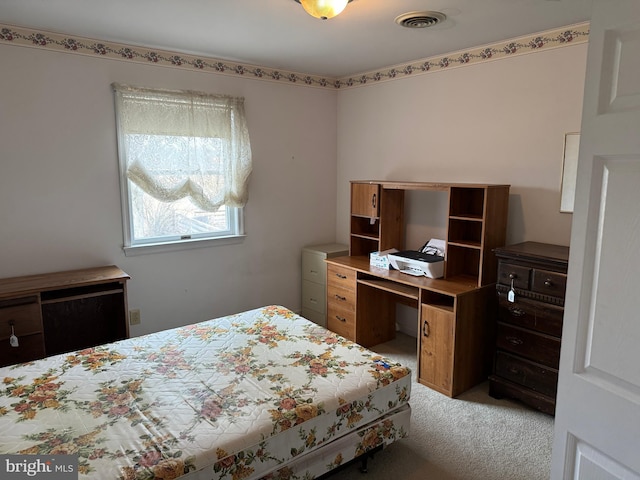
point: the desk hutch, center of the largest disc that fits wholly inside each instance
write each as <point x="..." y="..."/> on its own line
<point x="455" y="314"/>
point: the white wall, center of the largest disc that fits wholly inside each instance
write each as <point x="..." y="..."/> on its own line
<point x="500" y="121"/>
<point x="59" y="190"/>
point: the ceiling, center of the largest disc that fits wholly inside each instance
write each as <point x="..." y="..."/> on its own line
<point x="279" y="34"/>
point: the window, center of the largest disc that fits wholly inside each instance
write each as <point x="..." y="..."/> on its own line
<point x="185" y="160"/>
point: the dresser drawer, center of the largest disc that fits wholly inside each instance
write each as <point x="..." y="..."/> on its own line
<point x="529" y="374"/>
<point x="538" y="347"/>
<point x="341" y="321"/>
<point x="341" y="277"/>
<point x="31" y="347"/>
<point x="25" y="316"/>
<point x="314" y="296"/>
<point x="26" y="319"/>
<point x="341" y="298"/>
<point x="532" y="314"/>
<point x="314" y="268"/>
<point x="549" y="283"/>
<point x="520" y="275"/>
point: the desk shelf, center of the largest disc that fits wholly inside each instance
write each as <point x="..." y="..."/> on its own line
<point x="392" y="287"/>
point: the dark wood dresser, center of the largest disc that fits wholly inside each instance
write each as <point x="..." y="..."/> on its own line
<point x="531" y="285"/>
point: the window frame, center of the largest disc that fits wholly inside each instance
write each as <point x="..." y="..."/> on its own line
<point x="235" y="216"/>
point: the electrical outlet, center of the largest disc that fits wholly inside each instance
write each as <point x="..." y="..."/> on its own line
<point x="134" y="317"/>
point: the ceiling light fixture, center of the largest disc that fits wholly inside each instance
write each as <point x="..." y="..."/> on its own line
<point x="323" y="9"/>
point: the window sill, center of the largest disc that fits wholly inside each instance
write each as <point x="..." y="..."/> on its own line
<point x="133" y="251"/>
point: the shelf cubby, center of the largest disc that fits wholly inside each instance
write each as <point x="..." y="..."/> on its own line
<point x="467" y="202"/>
<point x="462" y="261"/>
<point x="437" y="300"/>
<point x="465" y="232"/>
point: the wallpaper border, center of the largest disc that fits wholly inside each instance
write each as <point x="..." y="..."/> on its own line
<point x="560" y="37"/>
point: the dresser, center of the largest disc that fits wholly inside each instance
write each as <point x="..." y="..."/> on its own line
<point x="47" y="314"/>
<point x="532" y="279"/>
<point x="314" y="279"/>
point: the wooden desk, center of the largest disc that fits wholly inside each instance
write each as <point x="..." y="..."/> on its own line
<point x="454" y="318"/>
<point x="61" y="312"/>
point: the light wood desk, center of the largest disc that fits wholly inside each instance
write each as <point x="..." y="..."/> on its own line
<point x="454" y="319"/>
<point x="455" y="314"/>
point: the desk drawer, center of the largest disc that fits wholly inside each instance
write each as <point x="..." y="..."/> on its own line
<point x="26" y="319"/>
<point x="538" y="316"/>
<point x="341" y="321"/>
<point x="341" y="298"/>
<point x="523" y="372"/>
<point x="341" y="277"/>
<point x="540" y="348"/>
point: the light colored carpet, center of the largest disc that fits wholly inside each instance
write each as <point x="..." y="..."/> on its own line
<point x="471" y="437"/>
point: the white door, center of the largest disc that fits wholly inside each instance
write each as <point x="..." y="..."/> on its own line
<point x="597" y="426"/>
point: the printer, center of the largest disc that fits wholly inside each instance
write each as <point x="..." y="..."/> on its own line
<point x="428" y="261"/>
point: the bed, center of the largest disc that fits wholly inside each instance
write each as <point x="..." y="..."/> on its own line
<point x="259" y="394"/>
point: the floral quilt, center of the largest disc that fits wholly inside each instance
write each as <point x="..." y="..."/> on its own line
<point x="238" y="396"/>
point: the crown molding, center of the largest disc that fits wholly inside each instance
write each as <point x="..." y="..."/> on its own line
<point x="561" y="37"/>
<point x="557" y="38"/>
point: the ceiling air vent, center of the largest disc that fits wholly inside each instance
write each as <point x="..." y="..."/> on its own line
<point x="420" y="19"/>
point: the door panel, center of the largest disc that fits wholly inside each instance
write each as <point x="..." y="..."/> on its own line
<point x="612" y="343"/>
<point x="597" y="425"/>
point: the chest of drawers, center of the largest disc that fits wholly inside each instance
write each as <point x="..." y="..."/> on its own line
<point x="532" y="279"/>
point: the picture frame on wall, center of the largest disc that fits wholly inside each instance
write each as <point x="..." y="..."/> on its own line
<point x="569" y="172"/>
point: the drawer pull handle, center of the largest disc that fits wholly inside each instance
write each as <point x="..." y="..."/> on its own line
<point x="548" y="283"/>
<point x="517" y="312"/>
<point x="373" y="200"/>
<point x="426" y="329"/>
<point x="513" y="276"/>
<point x="342" y="319"/>
<point x="339" y="275"/>
<point x="514" y="341"/>
<point x="514" y="370"/>
<point x="342" y="299"/>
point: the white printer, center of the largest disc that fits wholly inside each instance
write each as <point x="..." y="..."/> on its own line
<point x="428" y="261"/>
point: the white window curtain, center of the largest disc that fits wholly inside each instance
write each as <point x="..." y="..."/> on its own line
<point x="181" y="144"/>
